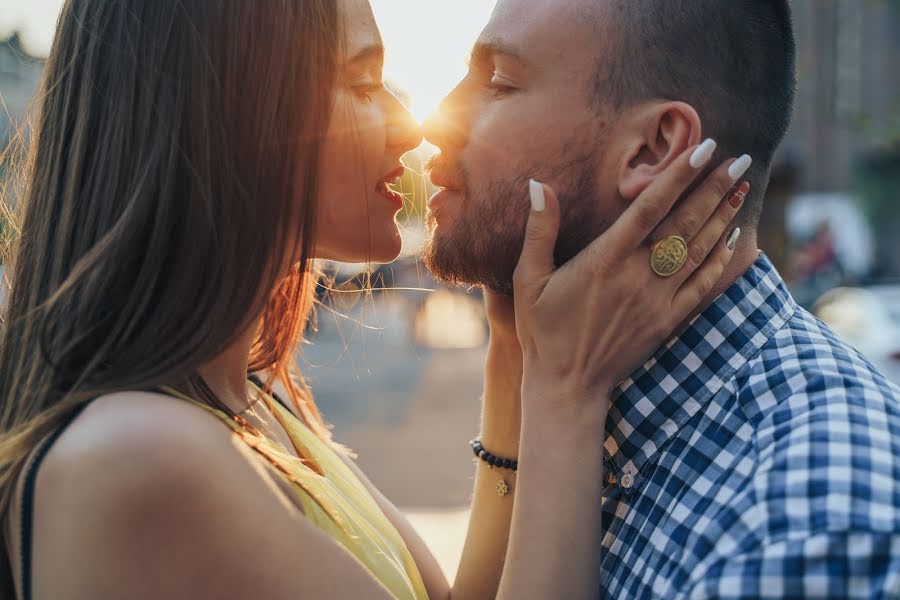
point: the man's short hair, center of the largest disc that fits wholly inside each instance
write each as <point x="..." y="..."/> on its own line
<point x="732" y="60"/>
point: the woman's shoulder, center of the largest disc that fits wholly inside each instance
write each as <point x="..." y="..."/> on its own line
<point x="131" y="466"/>
<point x="147" y="447"/>
<point x="142" y="447"/>
<point x="156" y="497"/>
<point x="149" y="433"/>
<point x="138" y="425"/>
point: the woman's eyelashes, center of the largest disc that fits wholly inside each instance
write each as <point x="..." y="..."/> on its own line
<point x="366" y="91"/>
<point x="366" y="84"/>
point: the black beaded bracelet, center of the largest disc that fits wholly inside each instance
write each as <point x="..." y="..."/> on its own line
<point x="494" y="461"/>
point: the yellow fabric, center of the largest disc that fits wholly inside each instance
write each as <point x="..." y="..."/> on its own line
<point x="334" y="499"/>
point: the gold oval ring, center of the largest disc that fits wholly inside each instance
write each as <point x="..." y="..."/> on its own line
<point x="668" y="255"/>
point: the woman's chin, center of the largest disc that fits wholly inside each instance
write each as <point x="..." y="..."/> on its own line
<point x="387" y="253"/>
<point x="381" y="251"/>
<point x="386" y="248"/>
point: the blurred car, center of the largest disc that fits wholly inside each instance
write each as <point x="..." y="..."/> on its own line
<point x="869" y="320"/>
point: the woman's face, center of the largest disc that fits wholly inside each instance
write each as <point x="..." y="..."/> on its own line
<point x="369" y="131"/>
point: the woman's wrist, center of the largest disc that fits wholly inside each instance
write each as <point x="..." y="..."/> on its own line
<point x="501" y="431"/>
<point x="501" y="423"/>
<point x="503" y="361"/>
<point x="501" y="414"/>
<point x="504" y="342"/>
<point x="565" y="402"/>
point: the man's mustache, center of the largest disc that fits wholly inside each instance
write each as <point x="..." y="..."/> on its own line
<point x="444" y="172"/>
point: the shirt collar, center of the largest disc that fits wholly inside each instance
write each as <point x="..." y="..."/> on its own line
<point x="651" y="405"/>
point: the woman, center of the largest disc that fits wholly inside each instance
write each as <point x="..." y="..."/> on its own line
<point x="191" y="161"/>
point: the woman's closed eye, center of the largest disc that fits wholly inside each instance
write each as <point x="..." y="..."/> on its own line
<point x="367" y="90"/>
<point x="366" y="84"/>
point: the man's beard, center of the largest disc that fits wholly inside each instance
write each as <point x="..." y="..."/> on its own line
<point x="483" y="244"/>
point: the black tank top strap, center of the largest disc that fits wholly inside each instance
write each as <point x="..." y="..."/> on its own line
<point x="255" y="380"/>
<point x="27" y="515"/>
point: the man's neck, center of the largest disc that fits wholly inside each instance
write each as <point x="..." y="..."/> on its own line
<point x="745" y="254"/>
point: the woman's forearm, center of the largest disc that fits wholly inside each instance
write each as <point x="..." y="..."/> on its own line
<point x="484" y="553"/>
<point x="555" y="535"/>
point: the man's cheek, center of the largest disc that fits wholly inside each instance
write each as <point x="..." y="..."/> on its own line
<point x="495" y="137"/>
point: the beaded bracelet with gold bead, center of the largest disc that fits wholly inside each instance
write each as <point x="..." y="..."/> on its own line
<point x="491" y="459"/>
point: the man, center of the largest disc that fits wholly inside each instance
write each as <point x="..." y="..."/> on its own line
<point x="755" y="454"/>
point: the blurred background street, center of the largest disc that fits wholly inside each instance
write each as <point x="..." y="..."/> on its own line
<point x="406" y="409"/>
<point x="396" y="362"/>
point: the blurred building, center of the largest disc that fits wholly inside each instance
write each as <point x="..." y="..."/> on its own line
<point x="848" y="95"/>
<point x="845" y="134"/>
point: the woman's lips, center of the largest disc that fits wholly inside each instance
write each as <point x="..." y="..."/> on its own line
<point x="395" y="174"/>
<point x="386" y="192"/>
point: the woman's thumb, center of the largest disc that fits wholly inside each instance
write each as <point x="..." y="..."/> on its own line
<point x="536" y="262"/>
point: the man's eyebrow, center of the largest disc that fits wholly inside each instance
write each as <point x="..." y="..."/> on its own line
<point x="375" y="53"/>
<point x="484" y="50"/>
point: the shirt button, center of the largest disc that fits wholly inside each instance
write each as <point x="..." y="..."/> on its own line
<point x="627" y="480"/>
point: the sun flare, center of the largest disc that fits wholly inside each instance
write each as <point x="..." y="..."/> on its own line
<point x="427" y="42"/>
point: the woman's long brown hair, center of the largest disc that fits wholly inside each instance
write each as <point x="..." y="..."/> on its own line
<point x="170" y="184"/>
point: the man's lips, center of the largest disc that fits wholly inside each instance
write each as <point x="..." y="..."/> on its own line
<point x="443" y="180"/>
<point x="443" y="172"/>
<point x="444" y="193"/>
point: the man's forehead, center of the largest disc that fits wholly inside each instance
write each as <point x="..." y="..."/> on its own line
<point x="539" y="9"/>
<point x="542" y="30"/>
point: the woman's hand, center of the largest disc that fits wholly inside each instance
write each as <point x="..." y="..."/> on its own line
<point x="588" y="324"/>
<point x="583" y="327"/>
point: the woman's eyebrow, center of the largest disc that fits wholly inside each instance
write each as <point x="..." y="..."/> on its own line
<point x="374" y="52"/>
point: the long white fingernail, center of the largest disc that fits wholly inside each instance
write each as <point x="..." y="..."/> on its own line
<point x="739" y="167"/>
<point x="536" y="189"/>
<point x="703" y="153"/>
<point x="733" y="238"/>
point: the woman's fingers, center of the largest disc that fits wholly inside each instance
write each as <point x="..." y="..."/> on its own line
<point x="702" y="243"/>
<point x="536" y="263"/>
<point x="592" y="321"/>
<point x="702" y="281"/>
<point x="687" y="219"/>
<point x="651" y="207"/>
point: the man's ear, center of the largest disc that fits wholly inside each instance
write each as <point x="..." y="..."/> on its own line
<point x="659" y="134"/>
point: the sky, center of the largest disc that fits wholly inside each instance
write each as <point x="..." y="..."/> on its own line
<point x="427" y="41"/>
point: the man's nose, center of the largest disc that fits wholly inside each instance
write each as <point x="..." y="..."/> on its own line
<point x="446" y="126"/>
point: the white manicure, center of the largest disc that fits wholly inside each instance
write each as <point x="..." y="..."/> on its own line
<point x="536" y="189"/>
<point x="732" y="240"/>
<point x="739" y="167"/>
<point x="703" y="153"/>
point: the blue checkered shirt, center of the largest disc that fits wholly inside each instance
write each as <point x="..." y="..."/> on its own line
<point x="756" y="455"/>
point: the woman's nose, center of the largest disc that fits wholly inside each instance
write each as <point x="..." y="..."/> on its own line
<point x="403" y="132"/>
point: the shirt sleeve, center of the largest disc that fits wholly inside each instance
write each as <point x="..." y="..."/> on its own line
<point x="845" y="565"/>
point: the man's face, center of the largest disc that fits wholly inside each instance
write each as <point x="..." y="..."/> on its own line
<point x="525" y="110"/>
